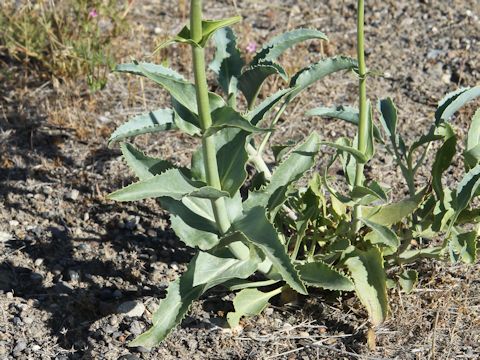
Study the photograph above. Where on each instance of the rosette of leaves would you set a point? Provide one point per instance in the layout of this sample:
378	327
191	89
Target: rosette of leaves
235	237
435	221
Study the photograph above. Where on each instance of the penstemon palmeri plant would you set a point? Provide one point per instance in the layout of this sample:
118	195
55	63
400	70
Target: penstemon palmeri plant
235	237
339	242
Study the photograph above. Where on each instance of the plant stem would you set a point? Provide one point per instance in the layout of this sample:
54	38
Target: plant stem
208	143
362	93
264	142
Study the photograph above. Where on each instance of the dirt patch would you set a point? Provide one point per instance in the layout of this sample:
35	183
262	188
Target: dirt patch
69	258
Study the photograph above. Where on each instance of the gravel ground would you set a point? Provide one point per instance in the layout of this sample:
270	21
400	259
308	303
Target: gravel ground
80	275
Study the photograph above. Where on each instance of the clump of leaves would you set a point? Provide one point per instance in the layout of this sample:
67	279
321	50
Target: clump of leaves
292	238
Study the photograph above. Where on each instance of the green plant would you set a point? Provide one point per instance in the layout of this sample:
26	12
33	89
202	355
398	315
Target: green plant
433	222
291	237
68	39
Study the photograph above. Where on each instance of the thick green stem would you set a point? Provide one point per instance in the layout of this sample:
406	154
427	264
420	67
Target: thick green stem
363	121
208	143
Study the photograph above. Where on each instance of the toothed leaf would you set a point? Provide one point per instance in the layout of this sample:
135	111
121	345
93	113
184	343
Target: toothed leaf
443	159
151	122
301	159
172	309
369	278
252	79
172	183
232	158
472	152
345	113
255	228
227	117
358	155
473	138
249	302
466	189
143	166
453	101
307	76
216	270
407	280
410	256
259	112
209	27
319	274
181	90
228	62
382	235
464	246
193	221
393	213
388	118
280	43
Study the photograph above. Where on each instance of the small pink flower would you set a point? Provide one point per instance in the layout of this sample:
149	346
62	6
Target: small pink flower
93	13
251	47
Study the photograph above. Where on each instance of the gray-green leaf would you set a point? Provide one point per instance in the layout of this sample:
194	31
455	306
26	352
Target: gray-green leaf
369	279
171	183
453	101
151	122
249	302
300	160
319	274
255	228
143	166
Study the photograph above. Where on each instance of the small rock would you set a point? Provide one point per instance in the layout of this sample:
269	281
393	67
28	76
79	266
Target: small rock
13	223
136	328
129	357
36	277
131	308
157	30
38	262
268	311
303	334
142	349
113	320
9	295
19	347
17	321
4	236
73	195
86	216
84	247
110	329
130	225
433	54
35	347
104	119
151	233
47	190
73	275
28	320
446	78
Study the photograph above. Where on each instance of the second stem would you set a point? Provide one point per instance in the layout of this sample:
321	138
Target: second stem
362	95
